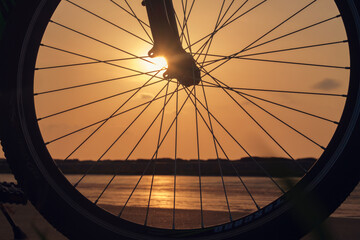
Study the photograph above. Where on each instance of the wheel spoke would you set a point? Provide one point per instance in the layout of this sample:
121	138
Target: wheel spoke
259	165
111	23
256	122
212	85
131	14
240	145
222	57
217	142
101	99
293	63
218	82
234	13
186	26
242	94
294	32
95	59
175	156
129	155
111	116
212	36
215	147
275	39
150	161
87	63
150	191
198	150
138	19
117	139
296	48
164	137
228	23
95	123
185	20
182	26
156	155
99	41
98	82
182	36
277	26
302	134
217	28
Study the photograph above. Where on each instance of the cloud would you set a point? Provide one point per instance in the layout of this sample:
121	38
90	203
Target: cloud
146	96
327	84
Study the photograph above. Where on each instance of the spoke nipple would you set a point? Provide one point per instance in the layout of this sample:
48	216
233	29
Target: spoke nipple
347	67
151	53
335	122
143	3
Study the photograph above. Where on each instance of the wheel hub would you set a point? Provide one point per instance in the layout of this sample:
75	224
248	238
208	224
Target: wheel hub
181	65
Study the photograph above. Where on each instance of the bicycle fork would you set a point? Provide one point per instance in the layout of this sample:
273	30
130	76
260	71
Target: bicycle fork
181	65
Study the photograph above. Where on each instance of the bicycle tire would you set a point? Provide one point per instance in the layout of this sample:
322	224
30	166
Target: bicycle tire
77	218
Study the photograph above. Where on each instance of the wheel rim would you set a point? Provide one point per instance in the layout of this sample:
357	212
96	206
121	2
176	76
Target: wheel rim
223	188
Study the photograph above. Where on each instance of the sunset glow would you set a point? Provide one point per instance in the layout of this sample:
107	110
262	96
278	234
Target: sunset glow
269	65
254	92
157	64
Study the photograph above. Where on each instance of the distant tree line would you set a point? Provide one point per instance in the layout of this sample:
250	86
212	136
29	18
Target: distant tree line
257	166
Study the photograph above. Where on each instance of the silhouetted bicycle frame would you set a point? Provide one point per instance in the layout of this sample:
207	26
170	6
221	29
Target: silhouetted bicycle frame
183	67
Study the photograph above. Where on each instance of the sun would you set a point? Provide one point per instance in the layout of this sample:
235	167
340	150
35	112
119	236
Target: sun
157	63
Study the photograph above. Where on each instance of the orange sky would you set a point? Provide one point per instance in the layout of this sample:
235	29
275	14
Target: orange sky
236	73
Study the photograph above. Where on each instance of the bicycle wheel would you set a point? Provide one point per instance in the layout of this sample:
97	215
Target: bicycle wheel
260	147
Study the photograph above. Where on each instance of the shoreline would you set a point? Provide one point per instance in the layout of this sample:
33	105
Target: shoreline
163	217
30	221
165	166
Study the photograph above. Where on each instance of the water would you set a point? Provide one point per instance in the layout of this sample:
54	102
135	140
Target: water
187	192
187	195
